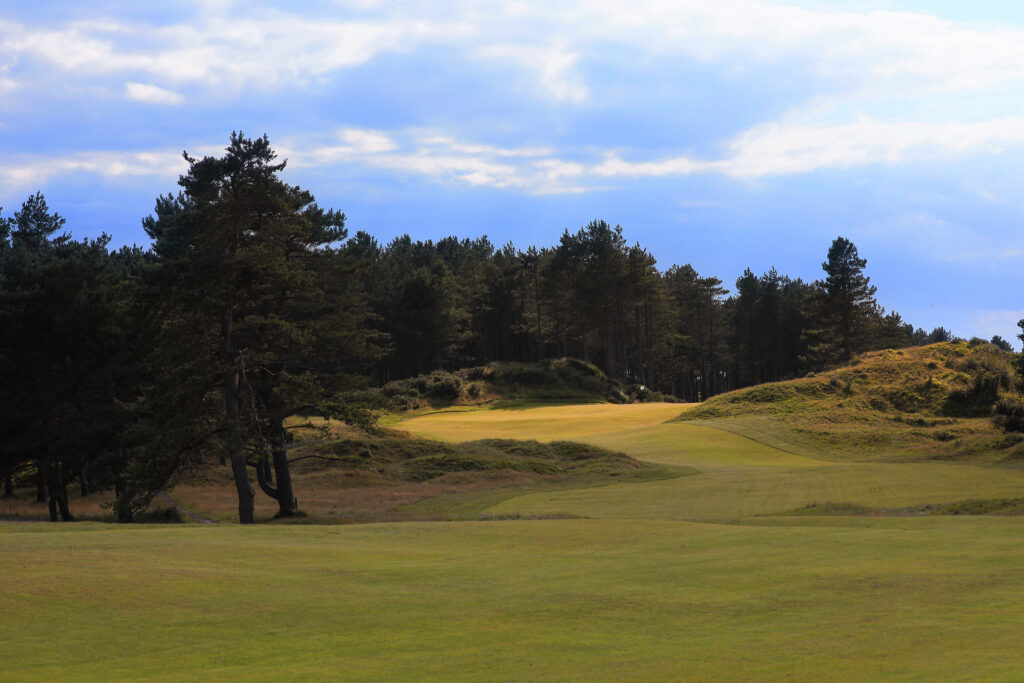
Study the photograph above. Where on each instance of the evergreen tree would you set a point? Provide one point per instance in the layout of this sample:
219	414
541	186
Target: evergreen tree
58	343
236	248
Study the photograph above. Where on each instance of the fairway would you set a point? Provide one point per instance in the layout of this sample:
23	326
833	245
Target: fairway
690	578
738	477
542	423
921	599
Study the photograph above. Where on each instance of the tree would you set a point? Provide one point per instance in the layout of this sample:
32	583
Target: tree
1001	343
58	346
239	251
843	307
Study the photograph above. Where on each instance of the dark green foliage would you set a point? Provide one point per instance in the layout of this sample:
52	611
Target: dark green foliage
843	309
159	515
990	374
269	311
1008	413
558	378
438	385
66	355
1001	343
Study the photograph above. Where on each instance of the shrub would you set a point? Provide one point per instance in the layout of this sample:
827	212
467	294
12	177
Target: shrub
159	515
1008	413
439	385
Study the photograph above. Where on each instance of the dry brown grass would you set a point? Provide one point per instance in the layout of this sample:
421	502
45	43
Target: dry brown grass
24	506
345	496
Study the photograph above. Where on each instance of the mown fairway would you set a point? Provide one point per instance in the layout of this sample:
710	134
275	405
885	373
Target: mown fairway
738	477
637	592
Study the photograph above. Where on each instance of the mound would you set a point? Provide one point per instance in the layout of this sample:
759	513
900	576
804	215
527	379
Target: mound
363	477
924	402
564	379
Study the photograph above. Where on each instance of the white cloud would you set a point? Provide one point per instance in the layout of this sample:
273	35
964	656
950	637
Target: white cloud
441	157
147	92
227	45
766	150
222	51
614	166
774	148
786	149
438	157
18	175
552	67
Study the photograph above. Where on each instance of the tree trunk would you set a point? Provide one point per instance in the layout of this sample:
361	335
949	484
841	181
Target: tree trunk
58	494
83	483
286	500
8	486
246	494
283	492
41	493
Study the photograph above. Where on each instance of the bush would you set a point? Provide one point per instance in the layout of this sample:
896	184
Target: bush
1008	413
164	515
439	385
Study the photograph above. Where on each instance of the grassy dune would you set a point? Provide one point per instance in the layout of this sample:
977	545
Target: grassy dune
930	402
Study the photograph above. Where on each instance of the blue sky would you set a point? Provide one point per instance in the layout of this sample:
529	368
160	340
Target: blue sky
732	134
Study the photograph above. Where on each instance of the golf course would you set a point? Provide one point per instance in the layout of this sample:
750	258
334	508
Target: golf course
741	561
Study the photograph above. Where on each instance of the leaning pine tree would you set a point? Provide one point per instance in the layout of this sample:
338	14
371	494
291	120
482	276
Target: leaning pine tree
240	256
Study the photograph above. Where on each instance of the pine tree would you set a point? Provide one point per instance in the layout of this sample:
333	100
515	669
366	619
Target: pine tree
239	251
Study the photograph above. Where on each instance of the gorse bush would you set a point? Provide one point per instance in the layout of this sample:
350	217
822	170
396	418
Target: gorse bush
1008	413
438	385
557	379
990	372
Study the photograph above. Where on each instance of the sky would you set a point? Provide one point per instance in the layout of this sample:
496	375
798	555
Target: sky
730	134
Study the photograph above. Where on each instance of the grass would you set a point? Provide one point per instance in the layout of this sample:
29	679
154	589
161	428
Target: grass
777	558
363	478
931	402
739	476
905	599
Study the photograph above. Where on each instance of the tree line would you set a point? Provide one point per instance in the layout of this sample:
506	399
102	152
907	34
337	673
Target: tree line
253	305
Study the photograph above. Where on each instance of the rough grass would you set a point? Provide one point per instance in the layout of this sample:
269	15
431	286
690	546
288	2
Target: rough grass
361	477
996	506
364	478
931	402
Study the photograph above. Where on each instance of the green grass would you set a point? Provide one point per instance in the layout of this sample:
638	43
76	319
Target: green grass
908	599
771	561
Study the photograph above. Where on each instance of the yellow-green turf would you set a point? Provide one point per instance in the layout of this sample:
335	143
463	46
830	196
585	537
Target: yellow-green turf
637	592
738	477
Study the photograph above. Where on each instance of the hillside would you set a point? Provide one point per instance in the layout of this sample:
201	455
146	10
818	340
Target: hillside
930	402
555	380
